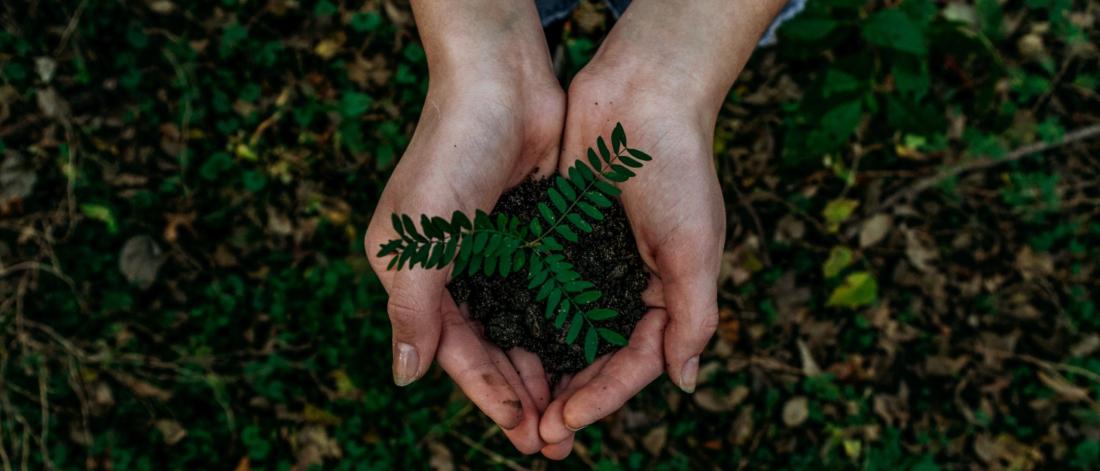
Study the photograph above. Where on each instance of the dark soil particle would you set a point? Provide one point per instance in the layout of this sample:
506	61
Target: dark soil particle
607	257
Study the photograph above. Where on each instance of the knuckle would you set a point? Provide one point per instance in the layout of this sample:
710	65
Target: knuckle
406	317
708	323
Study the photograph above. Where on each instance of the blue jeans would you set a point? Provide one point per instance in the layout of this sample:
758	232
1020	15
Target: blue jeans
554	10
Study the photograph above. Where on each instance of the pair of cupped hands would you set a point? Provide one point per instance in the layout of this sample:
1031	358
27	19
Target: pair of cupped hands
487	126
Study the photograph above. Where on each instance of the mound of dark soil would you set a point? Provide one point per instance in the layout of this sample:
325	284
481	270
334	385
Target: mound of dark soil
607	257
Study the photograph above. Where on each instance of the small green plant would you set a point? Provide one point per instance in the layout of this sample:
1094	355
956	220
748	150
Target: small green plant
508	245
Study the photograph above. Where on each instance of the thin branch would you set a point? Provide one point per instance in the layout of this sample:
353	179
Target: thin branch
494	456
923	184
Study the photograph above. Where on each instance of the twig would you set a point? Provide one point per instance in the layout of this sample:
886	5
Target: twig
44	411
923	184
70	27
747	204
496	457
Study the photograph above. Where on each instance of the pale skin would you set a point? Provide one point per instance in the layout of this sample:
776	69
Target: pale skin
494	115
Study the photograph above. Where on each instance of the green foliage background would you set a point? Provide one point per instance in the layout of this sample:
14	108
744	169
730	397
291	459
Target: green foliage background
241	145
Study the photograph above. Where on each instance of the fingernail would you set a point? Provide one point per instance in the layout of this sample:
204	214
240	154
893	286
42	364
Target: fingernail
689	374
405	364
571	429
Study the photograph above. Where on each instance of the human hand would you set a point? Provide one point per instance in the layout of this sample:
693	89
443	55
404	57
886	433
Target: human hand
492	118
677	214
663	72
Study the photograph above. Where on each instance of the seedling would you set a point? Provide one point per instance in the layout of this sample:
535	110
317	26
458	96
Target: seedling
508	245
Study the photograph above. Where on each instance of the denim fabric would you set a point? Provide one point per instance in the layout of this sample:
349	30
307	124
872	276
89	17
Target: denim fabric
555	10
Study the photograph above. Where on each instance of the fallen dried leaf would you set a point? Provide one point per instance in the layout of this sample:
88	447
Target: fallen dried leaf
796	411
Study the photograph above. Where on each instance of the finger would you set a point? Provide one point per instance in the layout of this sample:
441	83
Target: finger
558	451
627	372
530	370
691	297
466	360
524	436
414	311
654	294
552	427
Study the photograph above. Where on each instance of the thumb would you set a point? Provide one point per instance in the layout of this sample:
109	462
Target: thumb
414	311
691	297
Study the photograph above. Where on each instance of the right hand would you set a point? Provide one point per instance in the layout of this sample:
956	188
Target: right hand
479	134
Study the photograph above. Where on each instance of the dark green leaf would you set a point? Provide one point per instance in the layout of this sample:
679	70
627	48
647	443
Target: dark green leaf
544	291
460	221
537	278
437	254
566	232
586	172
390	247
422	255
575	176
587	297
489	265
547	213
637	154
590	211
482	221
429	227
518	260
393	262
443	226
475	264
579	222
504	265
607	188
618	137
464	251
557	199
616	176
493	245
604	153
565	187
536	263
893	29
552	303
591	345
574	328
566	276
397	225
630	162
405	257
449	252
410	228
612	337
594	160
563	314
479	241
598	198
536	228
601	314
578	286
552	243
